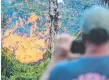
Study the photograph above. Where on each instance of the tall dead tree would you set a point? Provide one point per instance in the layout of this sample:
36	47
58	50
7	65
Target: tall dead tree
53	14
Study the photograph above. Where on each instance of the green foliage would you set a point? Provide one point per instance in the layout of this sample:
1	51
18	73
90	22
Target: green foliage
7	64
14	70
77	34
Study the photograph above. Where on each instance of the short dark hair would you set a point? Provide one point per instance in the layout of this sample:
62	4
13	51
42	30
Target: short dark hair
96	36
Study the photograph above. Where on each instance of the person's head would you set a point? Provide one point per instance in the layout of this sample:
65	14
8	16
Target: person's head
95	30
62	46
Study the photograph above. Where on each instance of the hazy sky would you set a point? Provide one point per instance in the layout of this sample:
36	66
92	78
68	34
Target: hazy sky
60	1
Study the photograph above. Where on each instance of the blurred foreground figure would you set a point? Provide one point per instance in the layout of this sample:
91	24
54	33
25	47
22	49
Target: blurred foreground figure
62	52
95	64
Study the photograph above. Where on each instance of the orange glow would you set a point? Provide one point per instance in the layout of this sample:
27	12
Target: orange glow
27	50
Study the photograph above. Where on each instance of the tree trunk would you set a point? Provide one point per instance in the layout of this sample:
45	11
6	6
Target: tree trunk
53	14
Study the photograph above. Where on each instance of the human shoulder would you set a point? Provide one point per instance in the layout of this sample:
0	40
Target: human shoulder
62	69
67	63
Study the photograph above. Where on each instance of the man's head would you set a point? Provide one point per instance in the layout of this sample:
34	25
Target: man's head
62	46
95	29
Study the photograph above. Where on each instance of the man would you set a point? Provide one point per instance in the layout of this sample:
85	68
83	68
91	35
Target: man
62	52
95	64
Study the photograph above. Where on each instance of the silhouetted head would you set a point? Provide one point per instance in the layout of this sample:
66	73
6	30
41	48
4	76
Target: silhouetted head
62	46
95	29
